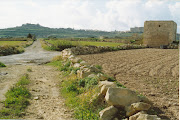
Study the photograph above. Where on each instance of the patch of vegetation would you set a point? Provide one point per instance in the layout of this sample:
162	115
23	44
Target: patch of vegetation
81	95
16	100
119	84
29	69
2	65
99	67
24	80
13	47
68	44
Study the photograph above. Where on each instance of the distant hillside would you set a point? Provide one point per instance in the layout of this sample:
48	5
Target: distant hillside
44	32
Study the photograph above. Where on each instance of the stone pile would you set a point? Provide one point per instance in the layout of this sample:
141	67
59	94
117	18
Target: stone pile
118	99
83	50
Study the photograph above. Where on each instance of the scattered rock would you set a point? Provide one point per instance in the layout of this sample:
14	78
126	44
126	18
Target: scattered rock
136	107
134	117
97	97
76	65
83	63
101	77
40	117
121	97
148	117
108	113
92	76
75	60
3	73
94	69
36	98
115	119
84	72
71	57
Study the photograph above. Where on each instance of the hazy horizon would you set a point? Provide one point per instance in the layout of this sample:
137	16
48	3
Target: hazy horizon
105	15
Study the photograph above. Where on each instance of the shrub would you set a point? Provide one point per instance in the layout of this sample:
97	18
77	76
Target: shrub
72	87
24	80
98	67
87	82
2	65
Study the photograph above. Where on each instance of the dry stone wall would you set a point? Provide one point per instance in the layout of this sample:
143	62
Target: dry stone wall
117	98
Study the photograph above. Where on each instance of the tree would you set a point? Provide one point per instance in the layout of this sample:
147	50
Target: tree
29	36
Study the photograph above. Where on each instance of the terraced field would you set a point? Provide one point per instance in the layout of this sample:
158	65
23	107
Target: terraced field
151	72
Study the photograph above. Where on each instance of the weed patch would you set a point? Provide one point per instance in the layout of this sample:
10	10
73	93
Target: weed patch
79	94
16	100
2	65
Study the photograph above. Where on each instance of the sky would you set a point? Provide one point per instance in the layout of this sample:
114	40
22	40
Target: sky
107	15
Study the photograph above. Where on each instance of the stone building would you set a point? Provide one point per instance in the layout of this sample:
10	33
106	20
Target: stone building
137	30
158	33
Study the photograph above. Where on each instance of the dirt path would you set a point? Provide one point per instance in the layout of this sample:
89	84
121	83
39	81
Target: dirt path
33	54
44	83
152	72
50	105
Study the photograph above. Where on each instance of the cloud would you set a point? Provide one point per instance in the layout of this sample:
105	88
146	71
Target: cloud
88	14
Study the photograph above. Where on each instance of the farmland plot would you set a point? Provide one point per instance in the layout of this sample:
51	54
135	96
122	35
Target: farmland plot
151	72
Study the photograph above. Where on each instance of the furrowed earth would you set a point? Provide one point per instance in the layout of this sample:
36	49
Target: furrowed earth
153	73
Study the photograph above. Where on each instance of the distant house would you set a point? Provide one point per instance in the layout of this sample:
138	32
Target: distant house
137	30
158	33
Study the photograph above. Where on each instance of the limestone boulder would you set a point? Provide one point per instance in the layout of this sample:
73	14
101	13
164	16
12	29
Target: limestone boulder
71	57
105	85
102	77
148	117
83	72
135	116
94	69
121	97
108	113
83	63
136	107
75	60
77	65
92	76
66	53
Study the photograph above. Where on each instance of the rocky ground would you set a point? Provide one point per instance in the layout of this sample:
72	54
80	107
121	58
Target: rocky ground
151	72
46	102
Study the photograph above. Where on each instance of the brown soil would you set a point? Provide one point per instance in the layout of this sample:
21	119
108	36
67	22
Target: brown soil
151	72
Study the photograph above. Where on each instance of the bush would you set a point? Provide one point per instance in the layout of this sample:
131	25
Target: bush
24	80
98	67
87	82
2	65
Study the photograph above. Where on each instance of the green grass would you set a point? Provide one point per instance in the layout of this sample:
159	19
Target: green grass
13	47
12	43
29	69
80	95
16	100
2	65
84	43
24	80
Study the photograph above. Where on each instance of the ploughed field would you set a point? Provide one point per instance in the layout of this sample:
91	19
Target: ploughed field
151	72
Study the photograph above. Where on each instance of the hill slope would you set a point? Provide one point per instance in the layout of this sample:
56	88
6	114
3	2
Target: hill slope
40	31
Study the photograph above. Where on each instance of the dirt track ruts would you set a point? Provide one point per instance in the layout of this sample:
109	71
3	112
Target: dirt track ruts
44	83
152	72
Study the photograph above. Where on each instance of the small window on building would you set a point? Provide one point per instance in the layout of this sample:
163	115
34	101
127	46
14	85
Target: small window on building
159	25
